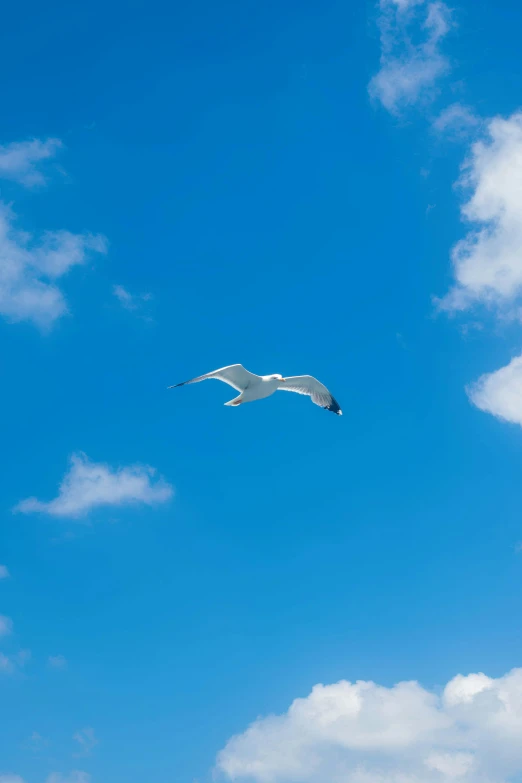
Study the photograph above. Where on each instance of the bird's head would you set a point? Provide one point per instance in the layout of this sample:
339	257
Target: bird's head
278	377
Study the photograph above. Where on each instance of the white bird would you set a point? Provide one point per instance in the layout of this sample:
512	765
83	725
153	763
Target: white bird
256	387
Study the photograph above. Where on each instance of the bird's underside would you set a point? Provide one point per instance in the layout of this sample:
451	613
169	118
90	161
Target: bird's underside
256	387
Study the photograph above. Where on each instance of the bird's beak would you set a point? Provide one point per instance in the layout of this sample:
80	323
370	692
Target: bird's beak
283	379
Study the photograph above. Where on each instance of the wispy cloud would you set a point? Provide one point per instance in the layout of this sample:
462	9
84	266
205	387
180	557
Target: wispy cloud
87	741
487	263
90	485
20	160
136	303
6	666
74	777
35	743
456	121
11	779
366	733
130	301
29	270
57	661
11	663
6	625
4	572
409	71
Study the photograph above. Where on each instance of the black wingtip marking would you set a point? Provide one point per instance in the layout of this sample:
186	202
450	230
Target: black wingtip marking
335	408
176	385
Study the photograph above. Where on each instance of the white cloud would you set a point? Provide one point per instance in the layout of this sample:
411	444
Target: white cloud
409	70
89	485
74	777
487	263
87	741
6	625
29	269
19	160
130	301
365	733
57	661
500	392
455	121
4	572
11	779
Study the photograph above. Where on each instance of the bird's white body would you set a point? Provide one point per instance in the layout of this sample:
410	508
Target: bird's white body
257	387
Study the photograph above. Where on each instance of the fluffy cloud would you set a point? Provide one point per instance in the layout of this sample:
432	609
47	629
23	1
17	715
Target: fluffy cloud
89	485
409	70
19	160
365	733
29	270
487	263
4	572
500	392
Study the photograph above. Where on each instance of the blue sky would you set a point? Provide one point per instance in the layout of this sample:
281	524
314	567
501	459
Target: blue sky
329	188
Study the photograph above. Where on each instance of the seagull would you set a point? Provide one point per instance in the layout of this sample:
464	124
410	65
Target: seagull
257	387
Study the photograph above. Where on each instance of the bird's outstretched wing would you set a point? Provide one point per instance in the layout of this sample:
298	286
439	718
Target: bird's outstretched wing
305	384
235	375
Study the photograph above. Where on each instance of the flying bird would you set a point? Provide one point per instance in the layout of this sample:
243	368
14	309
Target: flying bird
257	387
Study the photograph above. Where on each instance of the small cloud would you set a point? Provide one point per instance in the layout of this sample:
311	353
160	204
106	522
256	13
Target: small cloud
10	663
87	741
35	743
89	485
57	661
76	776
19	161
6	667
131	302
4	572
456	121
518	547
29	270
11	779
401	341
124	297
22	657
473	326
409	71
6	625
500	392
